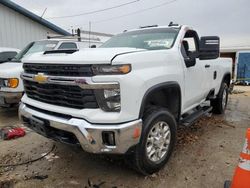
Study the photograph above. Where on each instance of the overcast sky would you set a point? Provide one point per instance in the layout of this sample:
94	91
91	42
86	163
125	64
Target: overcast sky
227	18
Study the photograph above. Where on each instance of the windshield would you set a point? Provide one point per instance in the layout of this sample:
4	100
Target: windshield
150	39
39	46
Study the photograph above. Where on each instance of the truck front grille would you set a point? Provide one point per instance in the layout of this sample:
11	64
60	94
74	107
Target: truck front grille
62	95
58	69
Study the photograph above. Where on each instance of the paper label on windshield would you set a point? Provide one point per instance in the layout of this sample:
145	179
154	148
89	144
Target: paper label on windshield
50	45
159	43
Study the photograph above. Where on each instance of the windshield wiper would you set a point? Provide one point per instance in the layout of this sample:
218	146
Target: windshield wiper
15	60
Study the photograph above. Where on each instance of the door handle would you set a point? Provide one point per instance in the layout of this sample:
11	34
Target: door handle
215	75
207	66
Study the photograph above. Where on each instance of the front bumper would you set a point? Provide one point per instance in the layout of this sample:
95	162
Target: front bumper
90	136
8	98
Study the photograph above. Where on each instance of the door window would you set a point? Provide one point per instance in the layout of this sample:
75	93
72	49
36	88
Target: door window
33	47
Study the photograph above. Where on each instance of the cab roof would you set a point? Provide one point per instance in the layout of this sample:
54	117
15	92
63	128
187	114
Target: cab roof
154	27
6	49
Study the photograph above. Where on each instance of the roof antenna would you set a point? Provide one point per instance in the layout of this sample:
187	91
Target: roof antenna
172	24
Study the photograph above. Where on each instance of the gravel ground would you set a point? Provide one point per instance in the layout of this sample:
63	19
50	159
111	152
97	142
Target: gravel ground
205	155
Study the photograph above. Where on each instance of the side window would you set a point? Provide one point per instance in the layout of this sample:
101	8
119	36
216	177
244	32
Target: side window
67	45
6	56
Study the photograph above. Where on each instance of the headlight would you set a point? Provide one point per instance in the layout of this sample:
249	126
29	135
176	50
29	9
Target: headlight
109	99
10	82
111	69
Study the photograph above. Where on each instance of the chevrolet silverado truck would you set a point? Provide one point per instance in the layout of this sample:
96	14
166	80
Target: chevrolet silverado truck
129	95
11	86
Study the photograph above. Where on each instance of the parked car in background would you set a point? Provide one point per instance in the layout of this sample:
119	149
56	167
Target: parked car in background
11	86
6	54
129	95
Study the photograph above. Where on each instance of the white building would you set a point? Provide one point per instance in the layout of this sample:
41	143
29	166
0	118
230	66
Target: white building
18	26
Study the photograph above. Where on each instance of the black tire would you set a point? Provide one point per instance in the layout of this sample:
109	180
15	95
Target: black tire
142	162
218	104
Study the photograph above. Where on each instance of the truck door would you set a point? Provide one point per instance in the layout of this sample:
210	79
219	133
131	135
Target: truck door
194	71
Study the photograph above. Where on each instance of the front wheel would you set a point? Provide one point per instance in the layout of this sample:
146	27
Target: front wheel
220	103
157	141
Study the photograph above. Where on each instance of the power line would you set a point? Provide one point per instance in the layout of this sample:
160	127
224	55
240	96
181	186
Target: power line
36	7
95	11
129	14
43	12
135	12
37	4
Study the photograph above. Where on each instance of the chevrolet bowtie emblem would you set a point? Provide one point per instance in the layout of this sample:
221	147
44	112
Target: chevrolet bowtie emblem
40	78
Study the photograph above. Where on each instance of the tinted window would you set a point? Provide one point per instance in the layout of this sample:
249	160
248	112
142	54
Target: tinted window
6	56
68	45
150	39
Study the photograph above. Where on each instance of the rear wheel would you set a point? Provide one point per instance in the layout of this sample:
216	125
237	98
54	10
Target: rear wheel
220	103
157	141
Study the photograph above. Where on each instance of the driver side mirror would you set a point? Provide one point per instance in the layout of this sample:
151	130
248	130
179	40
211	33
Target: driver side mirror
209	47
189	62
191	59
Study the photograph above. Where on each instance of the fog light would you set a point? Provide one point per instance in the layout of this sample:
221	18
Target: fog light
114	105
108	138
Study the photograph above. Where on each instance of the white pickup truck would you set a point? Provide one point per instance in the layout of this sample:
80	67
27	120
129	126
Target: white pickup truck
11	86
129	95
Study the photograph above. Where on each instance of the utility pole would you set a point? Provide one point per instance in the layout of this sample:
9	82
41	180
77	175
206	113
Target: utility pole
79	34
89	32
72	31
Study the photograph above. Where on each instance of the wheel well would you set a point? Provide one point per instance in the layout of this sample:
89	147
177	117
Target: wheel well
167	96
227	79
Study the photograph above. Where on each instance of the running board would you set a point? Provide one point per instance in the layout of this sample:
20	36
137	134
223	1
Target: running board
190	119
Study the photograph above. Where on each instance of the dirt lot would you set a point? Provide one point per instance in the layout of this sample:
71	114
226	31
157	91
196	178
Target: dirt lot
205	156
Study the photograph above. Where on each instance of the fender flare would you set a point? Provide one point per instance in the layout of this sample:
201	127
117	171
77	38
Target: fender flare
226	74
164	85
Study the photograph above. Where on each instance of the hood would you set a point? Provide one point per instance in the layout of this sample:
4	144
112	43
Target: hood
84	56
10	70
